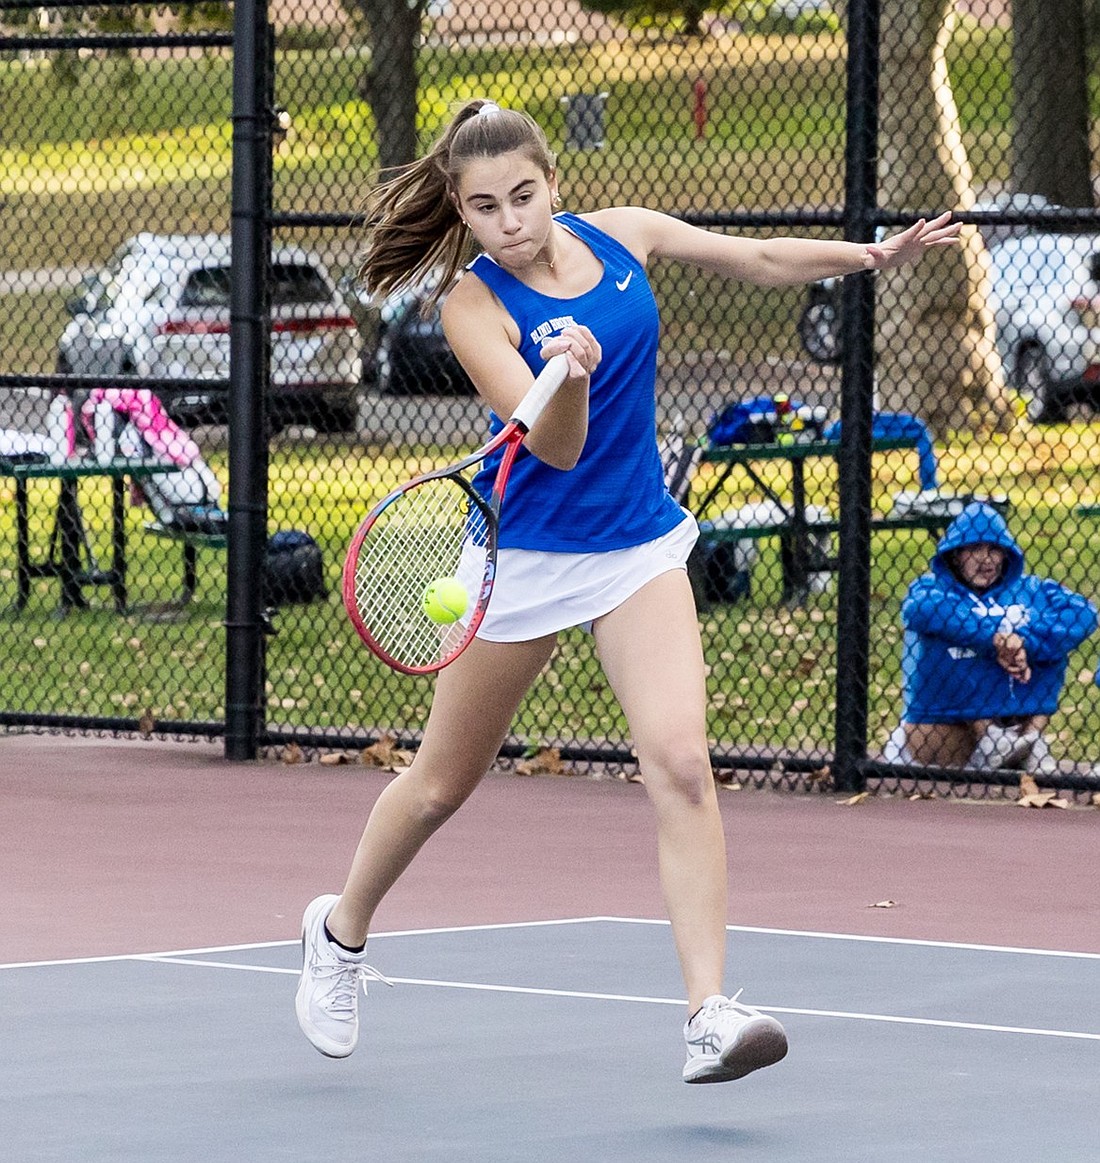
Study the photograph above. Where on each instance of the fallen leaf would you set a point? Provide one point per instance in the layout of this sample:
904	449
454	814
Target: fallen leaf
1095	801
858	798
385	754
292	753
1028	786
547	761
1043	799
884	905
730	785
335	758
821	775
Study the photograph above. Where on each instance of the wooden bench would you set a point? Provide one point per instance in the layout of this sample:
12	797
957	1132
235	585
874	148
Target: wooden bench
191	542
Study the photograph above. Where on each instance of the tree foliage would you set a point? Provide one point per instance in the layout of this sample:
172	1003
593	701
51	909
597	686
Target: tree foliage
685	15
389	85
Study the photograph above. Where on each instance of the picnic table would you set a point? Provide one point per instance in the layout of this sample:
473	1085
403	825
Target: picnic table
798	532
70	558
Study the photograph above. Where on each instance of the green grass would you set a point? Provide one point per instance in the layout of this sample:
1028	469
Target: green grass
74	168
772	670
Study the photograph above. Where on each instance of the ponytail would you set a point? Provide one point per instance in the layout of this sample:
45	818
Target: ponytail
414	228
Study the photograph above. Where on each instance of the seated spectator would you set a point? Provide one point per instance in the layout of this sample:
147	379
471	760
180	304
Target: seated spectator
986	647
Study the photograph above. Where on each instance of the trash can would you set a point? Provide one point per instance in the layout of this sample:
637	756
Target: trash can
584	120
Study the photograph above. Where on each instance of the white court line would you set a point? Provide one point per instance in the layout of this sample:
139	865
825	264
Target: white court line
585	995
298	941
826	936
189	957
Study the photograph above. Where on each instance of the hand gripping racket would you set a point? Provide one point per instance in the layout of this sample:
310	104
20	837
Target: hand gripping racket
417	535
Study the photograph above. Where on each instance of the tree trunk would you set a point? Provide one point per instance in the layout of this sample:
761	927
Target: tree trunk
935	350
1050	138
390	84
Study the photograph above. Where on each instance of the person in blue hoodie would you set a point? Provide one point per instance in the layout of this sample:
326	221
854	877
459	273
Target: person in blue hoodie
985	652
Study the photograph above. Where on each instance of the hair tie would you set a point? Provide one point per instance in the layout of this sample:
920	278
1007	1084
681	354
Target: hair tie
488	109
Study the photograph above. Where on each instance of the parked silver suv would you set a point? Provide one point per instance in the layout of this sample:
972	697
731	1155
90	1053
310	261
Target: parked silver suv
1045	298
160	308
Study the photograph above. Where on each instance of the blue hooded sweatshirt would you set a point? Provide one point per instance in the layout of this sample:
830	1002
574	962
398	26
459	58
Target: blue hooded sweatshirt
949	665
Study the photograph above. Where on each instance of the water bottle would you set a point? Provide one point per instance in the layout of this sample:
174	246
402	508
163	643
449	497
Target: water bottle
809	424
785	416
103	440
60	430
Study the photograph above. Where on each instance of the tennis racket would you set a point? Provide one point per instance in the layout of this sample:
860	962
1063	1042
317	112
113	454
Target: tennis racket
435	526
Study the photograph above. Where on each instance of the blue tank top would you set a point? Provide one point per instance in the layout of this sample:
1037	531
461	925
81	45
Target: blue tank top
615	496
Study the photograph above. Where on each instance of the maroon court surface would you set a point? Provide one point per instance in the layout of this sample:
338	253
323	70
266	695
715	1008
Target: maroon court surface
117	846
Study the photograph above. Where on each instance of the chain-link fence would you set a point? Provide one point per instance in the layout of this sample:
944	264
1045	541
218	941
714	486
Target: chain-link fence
825	436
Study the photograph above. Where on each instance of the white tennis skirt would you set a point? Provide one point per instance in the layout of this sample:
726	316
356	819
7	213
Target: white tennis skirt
538	593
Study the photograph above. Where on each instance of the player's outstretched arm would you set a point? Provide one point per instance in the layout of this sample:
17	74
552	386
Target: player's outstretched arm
770	262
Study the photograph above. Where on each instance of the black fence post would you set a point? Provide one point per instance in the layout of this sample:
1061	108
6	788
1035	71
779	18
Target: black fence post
856	401
249	345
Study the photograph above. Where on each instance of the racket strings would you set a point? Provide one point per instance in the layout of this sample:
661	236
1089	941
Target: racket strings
417	539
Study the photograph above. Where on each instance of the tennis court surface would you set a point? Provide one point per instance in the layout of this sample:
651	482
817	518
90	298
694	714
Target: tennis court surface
148	964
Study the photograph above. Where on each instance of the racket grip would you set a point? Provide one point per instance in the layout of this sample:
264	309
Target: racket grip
541	392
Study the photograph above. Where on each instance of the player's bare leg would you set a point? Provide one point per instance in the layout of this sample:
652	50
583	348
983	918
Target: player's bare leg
475	700
650	651
653	658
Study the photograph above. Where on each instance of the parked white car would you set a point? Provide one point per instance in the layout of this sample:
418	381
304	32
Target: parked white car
1045	299
160	308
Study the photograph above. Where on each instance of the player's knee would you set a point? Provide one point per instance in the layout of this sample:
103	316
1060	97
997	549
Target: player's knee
438	802
682	773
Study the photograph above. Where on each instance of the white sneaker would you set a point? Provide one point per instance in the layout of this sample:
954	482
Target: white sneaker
726	1040
327	1002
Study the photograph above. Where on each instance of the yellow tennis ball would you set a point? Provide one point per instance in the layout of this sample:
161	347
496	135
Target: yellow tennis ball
445	600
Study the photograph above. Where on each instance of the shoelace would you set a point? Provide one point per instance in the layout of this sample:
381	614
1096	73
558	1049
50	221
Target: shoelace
345	977
729	1003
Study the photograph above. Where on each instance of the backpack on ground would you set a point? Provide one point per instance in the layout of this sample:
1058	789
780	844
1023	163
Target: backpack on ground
294	570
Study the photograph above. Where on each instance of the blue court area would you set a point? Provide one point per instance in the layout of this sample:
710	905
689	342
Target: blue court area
554	1043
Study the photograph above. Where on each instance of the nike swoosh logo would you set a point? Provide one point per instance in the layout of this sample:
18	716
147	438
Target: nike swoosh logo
626	282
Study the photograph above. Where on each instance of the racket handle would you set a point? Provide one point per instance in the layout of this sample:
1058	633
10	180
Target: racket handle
541	392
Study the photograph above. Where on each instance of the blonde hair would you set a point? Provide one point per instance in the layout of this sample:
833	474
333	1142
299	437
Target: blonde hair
414	228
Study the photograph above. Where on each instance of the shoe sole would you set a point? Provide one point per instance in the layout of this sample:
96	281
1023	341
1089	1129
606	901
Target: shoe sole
763	1043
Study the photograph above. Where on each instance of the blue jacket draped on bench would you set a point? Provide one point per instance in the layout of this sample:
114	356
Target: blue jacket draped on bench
902	426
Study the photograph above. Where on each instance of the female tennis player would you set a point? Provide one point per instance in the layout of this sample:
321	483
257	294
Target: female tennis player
590	536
